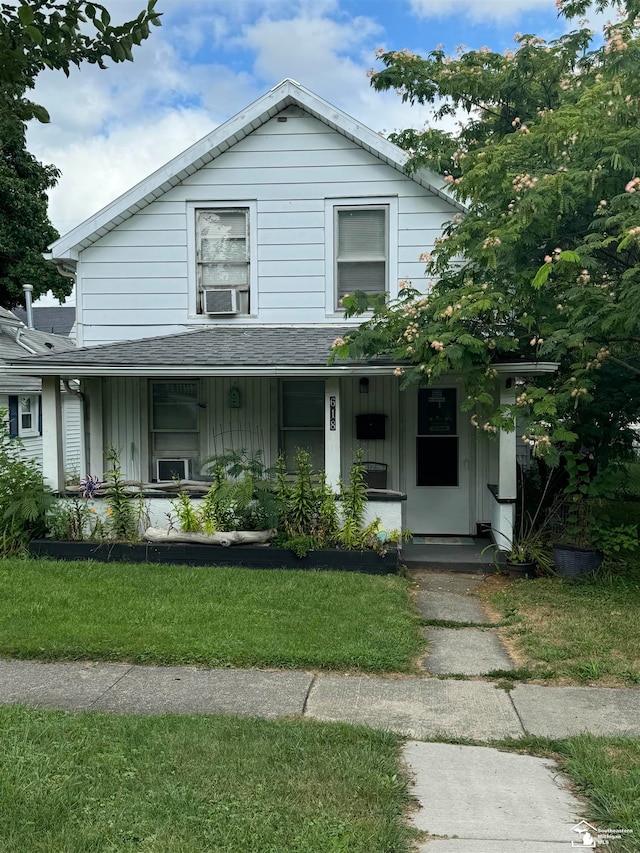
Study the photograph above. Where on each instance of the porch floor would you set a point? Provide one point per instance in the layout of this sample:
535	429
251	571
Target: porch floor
438	557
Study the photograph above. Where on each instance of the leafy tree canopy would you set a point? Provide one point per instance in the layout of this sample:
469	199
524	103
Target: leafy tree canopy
36	35
544	265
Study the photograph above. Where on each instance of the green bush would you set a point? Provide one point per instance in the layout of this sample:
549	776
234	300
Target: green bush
24	497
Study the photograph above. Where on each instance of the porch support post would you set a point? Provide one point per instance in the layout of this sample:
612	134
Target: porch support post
332	432
507	472
52	458
96	428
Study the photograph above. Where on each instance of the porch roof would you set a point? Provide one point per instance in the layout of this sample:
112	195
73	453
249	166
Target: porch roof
214	351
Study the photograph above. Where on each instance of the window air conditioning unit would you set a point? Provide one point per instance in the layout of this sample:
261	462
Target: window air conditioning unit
168	470
220	301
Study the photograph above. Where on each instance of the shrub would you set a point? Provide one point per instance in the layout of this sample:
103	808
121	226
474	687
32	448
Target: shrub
24	497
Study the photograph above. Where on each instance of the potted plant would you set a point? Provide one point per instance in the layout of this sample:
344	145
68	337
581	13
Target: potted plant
527	553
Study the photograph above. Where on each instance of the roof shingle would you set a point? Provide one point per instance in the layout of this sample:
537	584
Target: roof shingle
219	346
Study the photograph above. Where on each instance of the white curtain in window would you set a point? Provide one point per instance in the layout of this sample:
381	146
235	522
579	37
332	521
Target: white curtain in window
222	248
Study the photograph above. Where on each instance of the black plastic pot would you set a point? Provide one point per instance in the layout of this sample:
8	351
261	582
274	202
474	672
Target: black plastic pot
573	562
520	570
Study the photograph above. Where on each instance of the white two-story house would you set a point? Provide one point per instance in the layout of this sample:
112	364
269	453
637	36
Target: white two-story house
208	297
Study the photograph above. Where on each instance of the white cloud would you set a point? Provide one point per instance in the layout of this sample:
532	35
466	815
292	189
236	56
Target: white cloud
99	169
478	10
331	58
309	48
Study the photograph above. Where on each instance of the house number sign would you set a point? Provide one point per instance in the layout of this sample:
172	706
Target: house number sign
332	414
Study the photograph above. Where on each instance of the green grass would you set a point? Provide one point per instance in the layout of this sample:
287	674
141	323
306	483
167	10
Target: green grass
604	770
79	783
586	632
206	616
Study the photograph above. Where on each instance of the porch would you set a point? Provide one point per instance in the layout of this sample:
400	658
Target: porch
168	405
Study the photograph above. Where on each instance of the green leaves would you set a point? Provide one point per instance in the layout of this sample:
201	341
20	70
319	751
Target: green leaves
541	276
25	14
546	167
37	35
40	113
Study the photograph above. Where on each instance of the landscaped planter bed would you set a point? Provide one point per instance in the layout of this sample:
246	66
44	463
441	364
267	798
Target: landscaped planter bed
248	556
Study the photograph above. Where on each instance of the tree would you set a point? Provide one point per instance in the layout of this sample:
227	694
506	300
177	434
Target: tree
37	35
545	264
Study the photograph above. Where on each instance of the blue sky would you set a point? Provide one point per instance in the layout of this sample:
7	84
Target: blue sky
211	58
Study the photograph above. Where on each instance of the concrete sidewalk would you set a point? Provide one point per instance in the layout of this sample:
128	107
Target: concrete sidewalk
419	708
470	798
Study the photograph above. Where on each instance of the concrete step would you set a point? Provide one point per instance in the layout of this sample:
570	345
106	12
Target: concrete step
449	558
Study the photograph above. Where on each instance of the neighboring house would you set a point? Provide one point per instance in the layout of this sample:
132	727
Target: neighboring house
208	297
21	396
56	319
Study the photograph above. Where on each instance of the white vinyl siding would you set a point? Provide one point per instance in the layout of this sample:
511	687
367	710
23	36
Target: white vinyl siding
382	398
72	429
361	249
139	280
252	428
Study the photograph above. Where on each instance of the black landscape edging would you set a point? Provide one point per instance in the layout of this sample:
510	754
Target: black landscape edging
247	556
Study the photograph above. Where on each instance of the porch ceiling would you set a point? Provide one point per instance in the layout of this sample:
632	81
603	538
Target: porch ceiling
215	351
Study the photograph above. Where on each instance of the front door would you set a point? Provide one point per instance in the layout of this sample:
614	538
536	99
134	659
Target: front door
436	462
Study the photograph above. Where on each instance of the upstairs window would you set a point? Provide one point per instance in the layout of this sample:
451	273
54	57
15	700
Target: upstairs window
222	260
361	250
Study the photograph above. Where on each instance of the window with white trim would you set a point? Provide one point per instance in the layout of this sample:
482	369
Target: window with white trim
222	260
175	423
361	249
28	414
302	420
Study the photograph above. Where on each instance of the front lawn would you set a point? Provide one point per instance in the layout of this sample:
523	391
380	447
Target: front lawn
75	783
585	632
206	616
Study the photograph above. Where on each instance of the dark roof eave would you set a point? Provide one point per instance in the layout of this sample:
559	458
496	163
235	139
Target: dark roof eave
38	368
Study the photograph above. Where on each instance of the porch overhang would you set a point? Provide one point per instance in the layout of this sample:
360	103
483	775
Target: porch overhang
525	368
190	370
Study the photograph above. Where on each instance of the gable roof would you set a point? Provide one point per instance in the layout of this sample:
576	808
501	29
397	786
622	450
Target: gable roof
224	137
212	351
56	319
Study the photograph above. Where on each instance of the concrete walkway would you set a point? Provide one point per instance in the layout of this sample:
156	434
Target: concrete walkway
471	798
420	708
